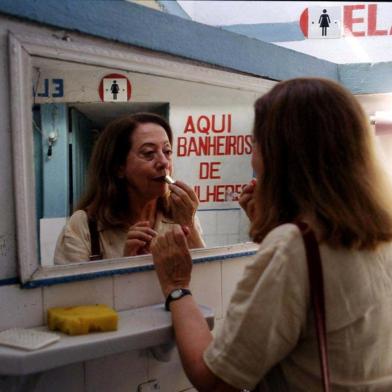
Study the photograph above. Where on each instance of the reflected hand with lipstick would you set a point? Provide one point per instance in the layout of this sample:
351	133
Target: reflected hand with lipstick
183	204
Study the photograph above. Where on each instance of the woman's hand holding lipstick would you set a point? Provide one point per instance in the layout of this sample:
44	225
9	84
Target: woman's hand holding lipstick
246	199
184	203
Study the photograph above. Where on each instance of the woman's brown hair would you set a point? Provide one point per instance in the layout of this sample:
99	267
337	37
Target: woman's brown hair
319	162
106	198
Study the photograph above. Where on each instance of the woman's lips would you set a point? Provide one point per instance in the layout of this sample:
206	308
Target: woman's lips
159	179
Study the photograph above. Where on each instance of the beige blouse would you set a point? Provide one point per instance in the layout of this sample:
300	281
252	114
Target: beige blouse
269	320
73	244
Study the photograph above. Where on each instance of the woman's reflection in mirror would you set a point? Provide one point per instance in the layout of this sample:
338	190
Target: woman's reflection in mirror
127	201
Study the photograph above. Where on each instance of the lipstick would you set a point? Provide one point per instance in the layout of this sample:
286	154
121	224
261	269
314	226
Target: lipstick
169	180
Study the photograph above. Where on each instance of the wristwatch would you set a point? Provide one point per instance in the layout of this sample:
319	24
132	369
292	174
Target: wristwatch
174	295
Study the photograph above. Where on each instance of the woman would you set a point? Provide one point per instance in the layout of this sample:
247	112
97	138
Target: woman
127	201
315	162
324	22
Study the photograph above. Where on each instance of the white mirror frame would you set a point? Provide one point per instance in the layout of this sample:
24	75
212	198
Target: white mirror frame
99	53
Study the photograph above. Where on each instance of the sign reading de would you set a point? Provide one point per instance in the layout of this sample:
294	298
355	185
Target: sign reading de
114	88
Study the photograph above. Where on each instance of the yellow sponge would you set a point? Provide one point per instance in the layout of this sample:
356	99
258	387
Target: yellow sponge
79	320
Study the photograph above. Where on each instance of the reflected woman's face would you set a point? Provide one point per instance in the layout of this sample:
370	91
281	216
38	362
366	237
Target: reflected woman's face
148	161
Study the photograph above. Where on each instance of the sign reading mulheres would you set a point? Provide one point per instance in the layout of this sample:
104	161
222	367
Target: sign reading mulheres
115	88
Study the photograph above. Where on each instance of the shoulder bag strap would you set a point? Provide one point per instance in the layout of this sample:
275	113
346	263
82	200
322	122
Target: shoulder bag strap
94	239
317	297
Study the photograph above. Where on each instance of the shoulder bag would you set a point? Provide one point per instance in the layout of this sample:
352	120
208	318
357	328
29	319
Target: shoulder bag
315	275
94	239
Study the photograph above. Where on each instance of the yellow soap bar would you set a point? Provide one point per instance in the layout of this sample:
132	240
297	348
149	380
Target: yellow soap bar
79	320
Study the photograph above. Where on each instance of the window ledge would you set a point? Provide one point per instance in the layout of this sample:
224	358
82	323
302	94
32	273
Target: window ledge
141	328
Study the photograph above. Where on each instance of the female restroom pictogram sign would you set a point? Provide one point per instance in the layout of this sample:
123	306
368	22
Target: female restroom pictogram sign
115	88
322	22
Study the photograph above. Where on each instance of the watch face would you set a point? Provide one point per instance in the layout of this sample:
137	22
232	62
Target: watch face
176	293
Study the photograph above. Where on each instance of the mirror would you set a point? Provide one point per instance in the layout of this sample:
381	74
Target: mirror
77	88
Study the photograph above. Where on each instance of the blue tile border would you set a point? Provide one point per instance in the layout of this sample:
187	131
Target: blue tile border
125	271
269	32
9	281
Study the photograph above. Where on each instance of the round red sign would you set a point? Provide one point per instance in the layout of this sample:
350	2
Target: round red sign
115	88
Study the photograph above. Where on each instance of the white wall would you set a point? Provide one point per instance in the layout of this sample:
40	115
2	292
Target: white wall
373	103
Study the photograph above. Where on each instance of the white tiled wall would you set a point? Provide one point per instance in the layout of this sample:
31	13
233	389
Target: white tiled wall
170	375
117	373
206	286
50	229
63	379
232	226
220	227
20	308
98	291
212	285
127	290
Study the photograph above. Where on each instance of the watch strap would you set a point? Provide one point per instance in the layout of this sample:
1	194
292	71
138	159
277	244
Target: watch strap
170	298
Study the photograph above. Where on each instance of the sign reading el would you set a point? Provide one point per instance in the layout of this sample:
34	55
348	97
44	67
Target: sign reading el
357	20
